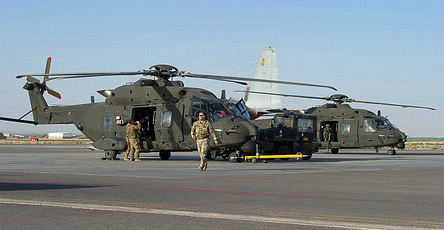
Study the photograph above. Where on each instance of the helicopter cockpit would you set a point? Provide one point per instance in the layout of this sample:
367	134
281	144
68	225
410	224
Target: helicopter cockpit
372	124
213	107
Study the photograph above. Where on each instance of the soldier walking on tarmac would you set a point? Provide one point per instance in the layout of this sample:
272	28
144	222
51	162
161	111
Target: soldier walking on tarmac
201	130
134	140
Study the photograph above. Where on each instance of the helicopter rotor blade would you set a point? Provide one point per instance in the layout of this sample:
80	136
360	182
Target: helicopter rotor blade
281	94
391	104
47	69
84	74
54	93
219	77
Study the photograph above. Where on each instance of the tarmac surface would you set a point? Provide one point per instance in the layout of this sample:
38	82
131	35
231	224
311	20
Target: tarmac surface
54	187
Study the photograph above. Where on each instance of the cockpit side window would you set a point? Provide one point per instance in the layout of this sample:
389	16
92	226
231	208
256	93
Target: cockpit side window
214	109
369	126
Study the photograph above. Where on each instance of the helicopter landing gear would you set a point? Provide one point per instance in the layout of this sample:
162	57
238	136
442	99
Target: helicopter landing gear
334	151
110	154
391	151
164	155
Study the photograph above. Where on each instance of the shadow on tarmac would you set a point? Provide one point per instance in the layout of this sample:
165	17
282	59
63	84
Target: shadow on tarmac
12	186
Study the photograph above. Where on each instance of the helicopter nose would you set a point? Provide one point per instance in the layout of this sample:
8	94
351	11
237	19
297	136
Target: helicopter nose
237	133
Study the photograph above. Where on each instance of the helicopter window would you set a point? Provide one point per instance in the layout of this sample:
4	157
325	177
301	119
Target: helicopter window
346	128
166	119
305	125
369	126
107	122
383	123
214	109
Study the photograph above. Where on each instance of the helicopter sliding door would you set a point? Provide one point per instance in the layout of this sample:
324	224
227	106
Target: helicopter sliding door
169	130
348	132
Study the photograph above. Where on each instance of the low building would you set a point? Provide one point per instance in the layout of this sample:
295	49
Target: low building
61	135
2	136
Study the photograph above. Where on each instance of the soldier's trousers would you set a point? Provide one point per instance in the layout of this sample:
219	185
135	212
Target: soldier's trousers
135	149
128	149
202	148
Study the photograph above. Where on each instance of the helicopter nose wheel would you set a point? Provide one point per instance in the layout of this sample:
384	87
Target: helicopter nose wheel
391	152
165	155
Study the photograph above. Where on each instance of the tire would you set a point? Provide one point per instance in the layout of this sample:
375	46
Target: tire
254	160
164	155
391	152
110	154
334	151
235	158
306	157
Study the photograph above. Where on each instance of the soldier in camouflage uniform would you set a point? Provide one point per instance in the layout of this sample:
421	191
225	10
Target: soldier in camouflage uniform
128	149
201	131
134	140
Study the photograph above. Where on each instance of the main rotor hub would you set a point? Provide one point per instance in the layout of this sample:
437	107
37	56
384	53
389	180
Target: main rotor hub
164	72
338	98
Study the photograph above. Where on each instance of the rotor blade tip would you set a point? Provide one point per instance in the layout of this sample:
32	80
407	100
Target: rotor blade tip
49	58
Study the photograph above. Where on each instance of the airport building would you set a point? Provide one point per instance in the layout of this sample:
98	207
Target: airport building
61	135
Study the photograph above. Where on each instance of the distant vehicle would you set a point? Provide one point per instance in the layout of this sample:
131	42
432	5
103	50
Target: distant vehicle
18	136
288	133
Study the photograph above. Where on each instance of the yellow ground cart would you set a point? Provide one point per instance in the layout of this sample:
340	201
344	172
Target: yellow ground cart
265	158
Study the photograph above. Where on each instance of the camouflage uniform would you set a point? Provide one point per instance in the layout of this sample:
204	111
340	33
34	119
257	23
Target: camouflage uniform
128	149
134	141
202	130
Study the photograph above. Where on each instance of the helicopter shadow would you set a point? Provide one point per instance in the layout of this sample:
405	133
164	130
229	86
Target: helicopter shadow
16	186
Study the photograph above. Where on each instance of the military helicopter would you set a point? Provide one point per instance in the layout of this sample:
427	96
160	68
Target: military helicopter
165	108
341	126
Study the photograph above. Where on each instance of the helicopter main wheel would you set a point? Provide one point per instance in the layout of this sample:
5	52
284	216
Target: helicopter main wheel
306	157
235	157
110	154
165	155
391	152
334	151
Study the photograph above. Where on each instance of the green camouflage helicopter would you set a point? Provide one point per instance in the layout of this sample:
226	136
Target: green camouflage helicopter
341	126
165	108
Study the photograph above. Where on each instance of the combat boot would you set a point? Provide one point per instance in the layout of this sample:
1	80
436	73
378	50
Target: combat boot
137	159
204	167
126	159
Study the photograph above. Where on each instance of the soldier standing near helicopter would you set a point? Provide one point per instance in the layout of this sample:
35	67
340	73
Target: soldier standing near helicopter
134	140
327	133
201	131
128	149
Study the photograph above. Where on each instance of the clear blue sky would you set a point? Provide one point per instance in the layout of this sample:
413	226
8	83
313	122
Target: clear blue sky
389	51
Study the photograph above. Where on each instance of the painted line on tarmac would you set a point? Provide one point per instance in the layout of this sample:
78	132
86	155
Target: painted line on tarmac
206	215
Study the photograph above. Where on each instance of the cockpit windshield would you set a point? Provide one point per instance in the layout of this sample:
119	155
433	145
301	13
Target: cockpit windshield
382	123
213	108
239	109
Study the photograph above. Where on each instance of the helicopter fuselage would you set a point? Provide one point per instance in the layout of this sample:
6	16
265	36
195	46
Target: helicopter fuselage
165	109
355	128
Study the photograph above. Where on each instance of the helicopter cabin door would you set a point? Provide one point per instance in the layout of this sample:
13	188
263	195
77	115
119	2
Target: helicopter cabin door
348	132
147	118
329	133
170	128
